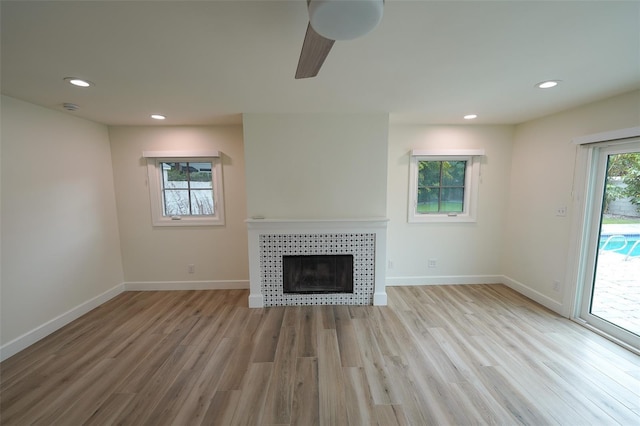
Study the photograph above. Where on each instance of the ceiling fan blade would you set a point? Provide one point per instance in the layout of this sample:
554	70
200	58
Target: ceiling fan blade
314	51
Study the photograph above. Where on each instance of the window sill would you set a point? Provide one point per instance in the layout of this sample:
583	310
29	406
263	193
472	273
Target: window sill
188	221
442	218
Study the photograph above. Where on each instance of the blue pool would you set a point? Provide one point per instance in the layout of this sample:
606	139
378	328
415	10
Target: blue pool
623	244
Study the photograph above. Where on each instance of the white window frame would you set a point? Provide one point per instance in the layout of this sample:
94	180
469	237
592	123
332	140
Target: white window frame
471	185
154	172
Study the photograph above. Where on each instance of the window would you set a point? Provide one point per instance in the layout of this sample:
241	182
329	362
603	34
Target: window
185	188
443	186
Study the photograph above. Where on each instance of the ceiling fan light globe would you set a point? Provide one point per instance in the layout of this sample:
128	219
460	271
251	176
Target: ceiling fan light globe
345	19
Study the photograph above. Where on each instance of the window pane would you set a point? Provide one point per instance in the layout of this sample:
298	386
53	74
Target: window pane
201	167
452	200
428	200
187	188
202	202
429	173
442	184
174	175
201	180
453	173
200	175
176	202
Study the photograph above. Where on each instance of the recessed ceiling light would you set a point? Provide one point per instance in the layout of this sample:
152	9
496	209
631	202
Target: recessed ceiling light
470	116
70	107
547	84
158	116
78	82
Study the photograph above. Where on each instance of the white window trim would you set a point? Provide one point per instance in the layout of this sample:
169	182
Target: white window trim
154	172
471	184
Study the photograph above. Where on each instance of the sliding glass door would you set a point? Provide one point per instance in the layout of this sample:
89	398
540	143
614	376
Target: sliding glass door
611	289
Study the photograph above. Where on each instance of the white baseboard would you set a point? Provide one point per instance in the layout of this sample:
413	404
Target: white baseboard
186	285
380	298
521	288
443	280
256	301
16	345
534	295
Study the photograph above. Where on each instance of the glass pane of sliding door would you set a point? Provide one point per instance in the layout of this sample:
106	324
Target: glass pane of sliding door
611	298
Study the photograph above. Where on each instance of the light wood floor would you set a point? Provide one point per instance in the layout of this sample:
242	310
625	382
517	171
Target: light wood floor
436	355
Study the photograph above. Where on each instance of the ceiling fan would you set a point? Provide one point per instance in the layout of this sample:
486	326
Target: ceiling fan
331	20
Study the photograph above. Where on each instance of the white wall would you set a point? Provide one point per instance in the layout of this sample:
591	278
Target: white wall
537	242
465	252
157	257
316	166
60	246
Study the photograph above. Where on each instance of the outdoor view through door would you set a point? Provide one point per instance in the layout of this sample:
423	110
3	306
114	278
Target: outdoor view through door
614	296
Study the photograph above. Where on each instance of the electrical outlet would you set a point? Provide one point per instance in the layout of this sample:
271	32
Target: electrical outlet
561	211
432	263
191	268
390	264
556	285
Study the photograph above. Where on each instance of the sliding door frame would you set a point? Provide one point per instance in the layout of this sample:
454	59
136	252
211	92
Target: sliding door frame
588	191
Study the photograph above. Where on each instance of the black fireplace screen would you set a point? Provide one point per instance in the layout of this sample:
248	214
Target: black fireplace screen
318	273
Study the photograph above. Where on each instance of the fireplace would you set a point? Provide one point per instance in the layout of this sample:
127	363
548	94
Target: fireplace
317	274
275	244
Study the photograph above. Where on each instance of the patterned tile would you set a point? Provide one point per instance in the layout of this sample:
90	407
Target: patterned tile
274	246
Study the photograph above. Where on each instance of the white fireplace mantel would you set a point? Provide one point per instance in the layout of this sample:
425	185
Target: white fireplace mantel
269	227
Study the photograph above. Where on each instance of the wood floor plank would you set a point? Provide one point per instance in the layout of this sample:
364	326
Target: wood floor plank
404	386
213	333
360	407
147	400
390	415
67	397
200	386
443	367
618	405
171	400
374	364
31	358
156	358
518	405
107	413
432	390
291	317
280	394
221	409
267	338
253	394
473	354
239	318
347	340
360	312
308	341
85	402
64	369
327	317
387	342
305	408
235	371
479	404
331	388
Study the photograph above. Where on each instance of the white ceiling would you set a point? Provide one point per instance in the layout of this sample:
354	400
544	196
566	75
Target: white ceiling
207	62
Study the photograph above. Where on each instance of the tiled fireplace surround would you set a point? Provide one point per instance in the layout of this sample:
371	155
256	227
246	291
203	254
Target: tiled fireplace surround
270	239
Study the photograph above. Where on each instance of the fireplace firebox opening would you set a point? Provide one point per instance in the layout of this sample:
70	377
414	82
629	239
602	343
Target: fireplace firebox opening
317	274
